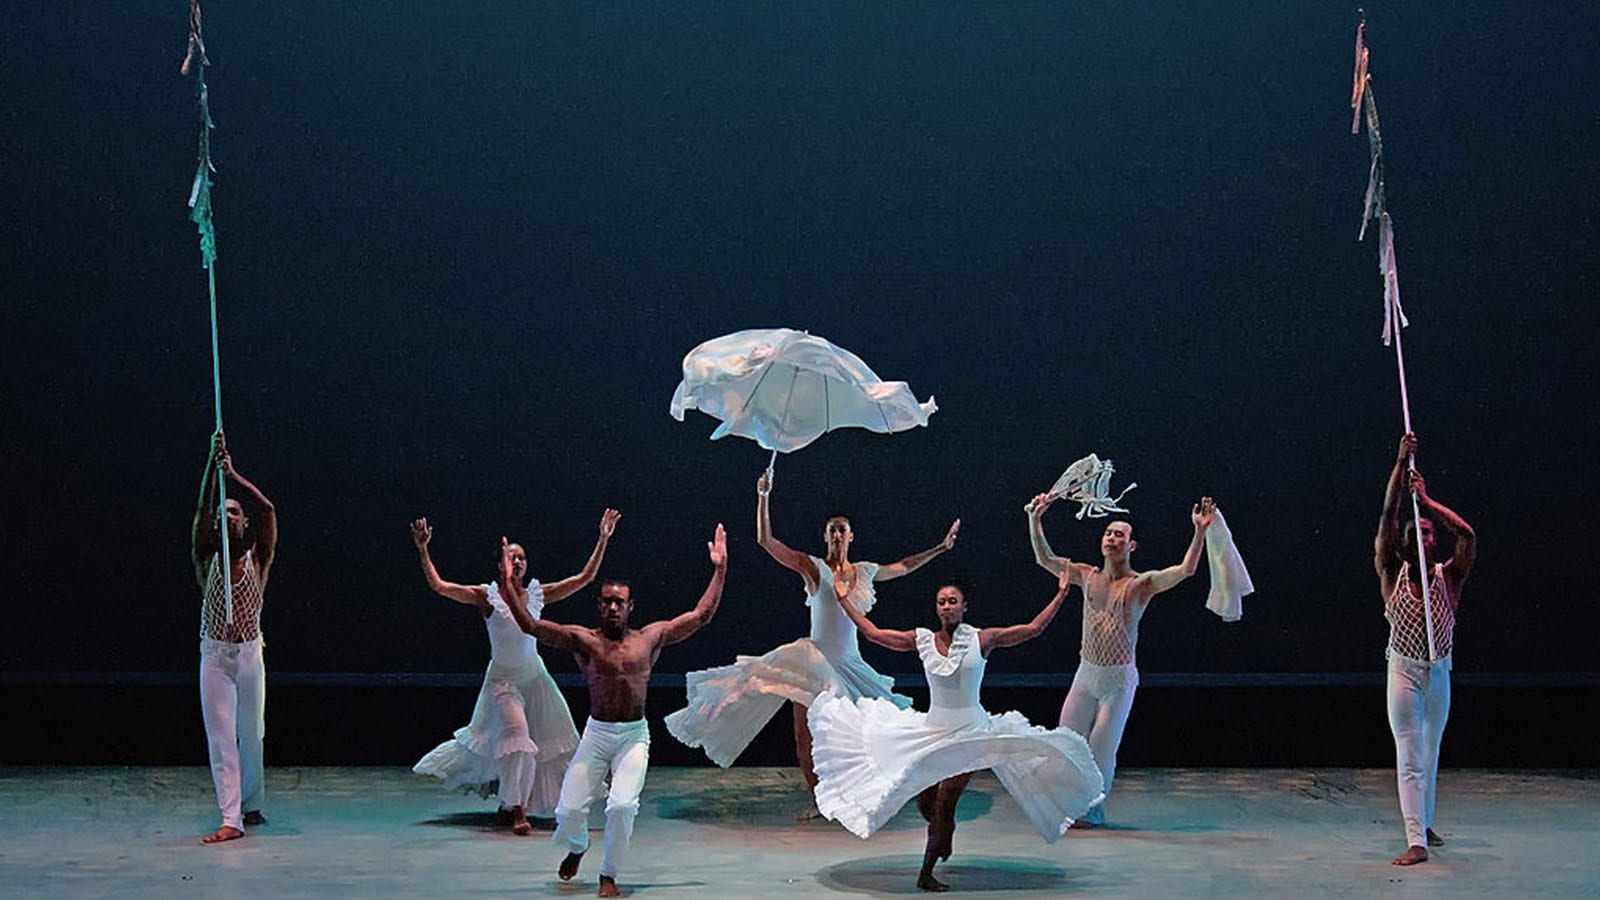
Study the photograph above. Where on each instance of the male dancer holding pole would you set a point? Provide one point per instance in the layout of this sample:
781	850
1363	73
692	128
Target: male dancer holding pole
1419	674
232	675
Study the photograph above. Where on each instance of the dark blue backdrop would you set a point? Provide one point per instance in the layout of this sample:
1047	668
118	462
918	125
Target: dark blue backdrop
463	248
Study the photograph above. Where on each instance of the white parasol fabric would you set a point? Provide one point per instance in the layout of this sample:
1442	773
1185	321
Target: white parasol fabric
1088	483
784	388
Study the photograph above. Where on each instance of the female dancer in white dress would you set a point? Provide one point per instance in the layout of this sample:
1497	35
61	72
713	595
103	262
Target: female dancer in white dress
727	706
873	756
521	734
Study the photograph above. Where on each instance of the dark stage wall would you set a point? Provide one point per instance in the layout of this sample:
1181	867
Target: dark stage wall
1315	724
464	247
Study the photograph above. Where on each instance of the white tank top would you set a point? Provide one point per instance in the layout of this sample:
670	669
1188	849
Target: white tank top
509	645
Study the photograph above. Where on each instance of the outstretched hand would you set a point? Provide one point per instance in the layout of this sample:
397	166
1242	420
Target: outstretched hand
421	532
764	484
608	522
1203	513
718	547
506	564
950	536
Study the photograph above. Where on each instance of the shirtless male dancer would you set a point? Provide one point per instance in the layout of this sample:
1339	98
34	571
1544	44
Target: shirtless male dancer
616	661
1114	600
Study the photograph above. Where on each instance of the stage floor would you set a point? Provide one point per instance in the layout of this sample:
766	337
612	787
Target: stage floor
704	832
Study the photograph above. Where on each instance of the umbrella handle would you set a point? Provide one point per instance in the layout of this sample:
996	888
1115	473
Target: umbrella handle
770	463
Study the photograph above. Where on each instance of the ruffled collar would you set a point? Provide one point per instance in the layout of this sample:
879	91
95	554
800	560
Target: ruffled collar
962	642
498	606
863	594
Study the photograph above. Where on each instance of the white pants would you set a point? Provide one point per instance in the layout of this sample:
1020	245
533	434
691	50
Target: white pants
233	700
623	749
515	767
1097	707
1419	704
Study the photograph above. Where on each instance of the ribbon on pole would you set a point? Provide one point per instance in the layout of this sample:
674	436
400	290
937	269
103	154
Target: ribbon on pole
200	215
1375	209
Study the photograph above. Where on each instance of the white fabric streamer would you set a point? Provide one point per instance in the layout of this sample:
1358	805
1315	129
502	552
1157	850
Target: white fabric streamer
1230	581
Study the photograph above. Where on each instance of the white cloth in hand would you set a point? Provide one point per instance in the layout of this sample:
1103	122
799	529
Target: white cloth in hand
1230	581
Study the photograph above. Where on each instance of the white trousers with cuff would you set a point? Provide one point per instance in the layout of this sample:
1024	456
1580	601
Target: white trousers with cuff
1419	704
623	749
233	700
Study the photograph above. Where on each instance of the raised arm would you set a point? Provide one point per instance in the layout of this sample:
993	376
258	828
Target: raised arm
917	560
566	587
470	594
1042	554
787	556
266	517
990	638
1460	564
1170	577
883	637
1386	546
560	637
679	627
205	536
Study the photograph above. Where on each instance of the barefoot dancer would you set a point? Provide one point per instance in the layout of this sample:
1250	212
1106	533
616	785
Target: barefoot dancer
616	661
873	756
521	734
1418	690
1114	600
727	706
233	691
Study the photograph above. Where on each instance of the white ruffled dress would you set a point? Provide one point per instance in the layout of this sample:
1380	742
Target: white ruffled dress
728	706
872	757
470	759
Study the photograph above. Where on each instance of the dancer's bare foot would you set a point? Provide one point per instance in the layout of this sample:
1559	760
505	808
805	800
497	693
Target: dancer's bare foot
809	813
927	882
608	887
1433	838
569	866
1083	824
1411	857
254	818
519	822
225	833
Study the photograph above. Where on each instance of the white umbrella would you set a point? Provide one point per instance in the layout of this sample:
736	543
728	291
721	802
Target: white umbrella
784	389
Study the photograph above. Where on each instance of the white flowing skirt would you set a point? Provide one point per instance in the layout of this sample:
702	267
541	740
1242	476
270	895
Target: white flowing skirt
470	759
872	757
729	705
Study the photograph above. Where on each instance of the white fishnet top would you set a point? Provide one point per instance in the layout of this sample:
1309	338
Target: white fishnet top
247	597
1408	633
1111	626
